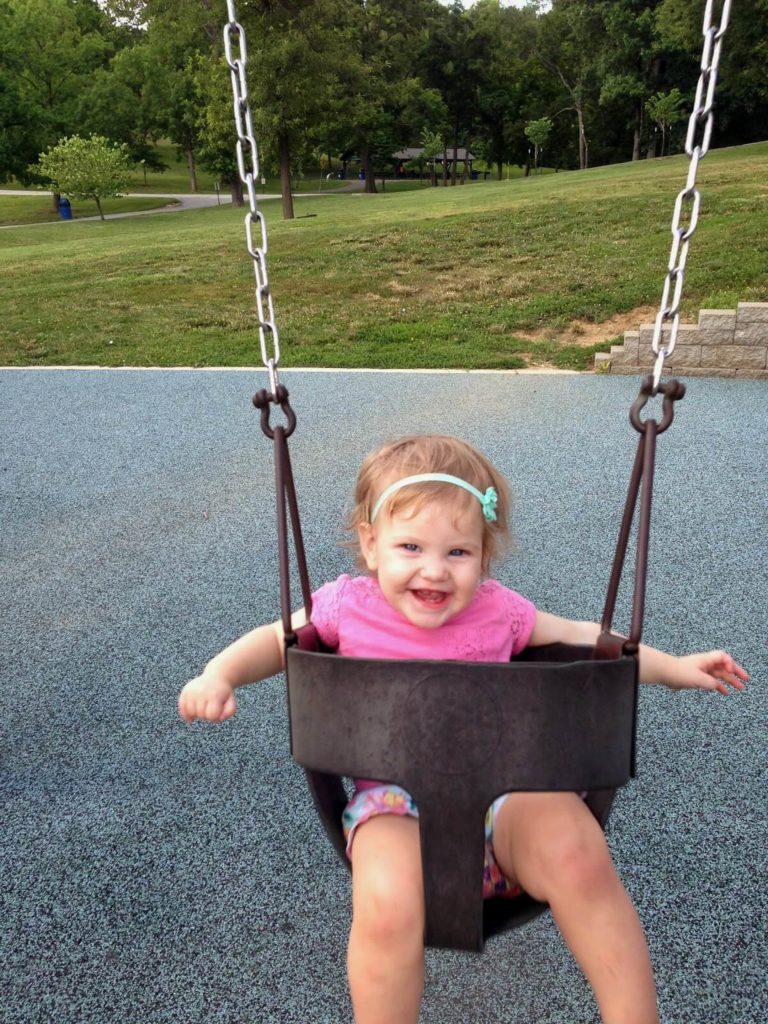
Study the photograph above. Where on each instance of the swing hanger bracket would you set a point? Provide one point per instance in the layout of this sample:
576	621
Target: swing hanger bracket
671	390
264	400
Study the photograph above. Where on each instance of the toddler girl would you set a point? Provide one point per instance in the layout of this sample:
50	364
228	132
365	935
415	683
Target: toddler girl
430	514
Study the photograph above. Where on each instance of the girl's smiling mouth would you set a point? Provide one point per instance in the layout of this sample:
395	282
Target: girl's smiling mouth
431	598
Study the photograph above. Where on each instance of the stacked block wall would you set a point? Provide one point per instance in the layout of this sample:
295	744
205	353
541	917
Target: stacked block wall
724	343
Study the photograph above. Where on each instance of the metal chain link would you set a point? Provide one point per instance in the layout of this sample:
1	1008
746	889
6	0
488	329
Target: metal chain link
696	146
234	34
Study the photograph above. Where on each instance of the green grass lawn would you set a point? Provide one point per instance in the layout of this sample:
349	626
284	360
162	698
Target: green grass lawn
36	208
490	276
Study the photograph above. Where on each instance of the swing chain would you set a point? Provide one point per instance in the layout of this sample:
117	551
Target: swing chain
235	34
696	146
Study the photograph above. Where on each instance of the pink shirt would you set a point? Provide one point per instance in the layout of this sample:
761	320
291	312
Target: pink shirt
352	615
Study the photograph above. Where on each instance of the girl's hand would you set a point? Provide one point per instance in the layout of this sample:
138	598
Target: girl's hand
714	670
210	698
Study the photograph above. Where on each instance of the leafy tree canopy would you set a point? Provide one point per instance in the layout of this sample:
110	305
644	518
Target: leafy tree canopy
89	168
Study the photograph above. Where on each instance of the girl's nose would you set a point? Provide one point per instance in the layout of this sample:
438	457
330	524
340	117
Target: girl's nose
433	569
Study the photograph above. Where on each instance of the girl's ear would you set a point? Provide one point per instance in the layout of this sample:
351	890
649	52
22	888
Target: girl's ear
366	535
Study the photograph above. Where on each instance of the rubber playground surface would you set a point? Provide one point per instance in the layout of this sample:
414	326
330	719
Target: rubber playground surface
160	873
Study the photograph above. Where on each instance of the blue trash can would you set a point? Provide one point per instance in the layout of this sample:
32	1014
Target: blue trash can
65	209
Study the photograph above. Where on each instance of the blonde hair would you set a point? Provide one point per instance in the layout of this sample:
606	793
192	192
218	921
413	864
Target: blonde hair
430	453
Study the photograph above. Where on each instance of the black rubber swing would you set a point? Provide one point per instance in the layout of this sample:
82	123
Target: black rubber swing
457	734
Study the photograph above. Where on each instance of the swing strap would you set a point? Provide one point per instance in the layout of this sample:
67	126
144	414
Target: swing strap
287	504
609	645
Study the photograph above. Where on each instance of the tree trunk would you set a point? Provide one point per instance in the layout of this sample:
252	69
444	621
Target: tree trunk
284	150
652	88
636	144
98	207
455	154
192	169
583	144
465	166
370	183
236	191
212	30
55	200
638	131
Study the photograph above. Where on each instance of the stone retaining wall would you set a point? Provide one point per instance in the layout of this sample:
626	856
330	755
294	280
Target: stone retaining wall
724	343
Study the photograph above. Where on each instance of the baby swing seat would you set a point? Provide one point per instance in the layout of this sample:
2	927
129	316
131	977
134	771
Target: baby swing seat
456	735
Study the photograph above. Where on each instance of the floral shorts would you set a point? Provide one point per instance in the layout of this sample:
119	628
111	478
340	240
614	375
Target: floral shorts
391	799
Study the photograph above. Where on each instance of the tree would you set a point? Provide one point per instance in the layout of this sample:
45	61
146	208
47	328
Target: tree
565	46
126	103
664	110
741	107
449	69
50	51
17	114
629	65
501	45
171	35
538	133
217	137
296	55
86	168
386	103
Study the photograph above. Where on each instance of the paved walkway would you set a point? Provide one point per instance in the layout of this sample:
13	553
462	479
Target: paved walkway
178	201
165	874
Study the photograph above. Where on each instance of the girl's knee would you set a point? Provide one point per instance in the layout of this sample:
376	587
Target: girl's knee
387	887
388	910
578	865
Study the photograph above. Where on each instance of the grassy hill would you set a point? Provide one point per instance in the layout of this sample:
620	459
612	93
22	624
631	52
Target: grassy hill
494	274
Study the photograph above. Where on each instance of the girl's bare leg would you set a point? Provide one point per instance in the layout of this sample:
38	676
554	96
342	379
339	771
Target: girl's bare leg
386	944
553	846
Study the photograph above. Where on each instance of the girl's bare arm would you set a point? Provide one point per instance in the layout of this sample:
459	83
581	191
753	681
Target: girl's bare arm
255	656
711	670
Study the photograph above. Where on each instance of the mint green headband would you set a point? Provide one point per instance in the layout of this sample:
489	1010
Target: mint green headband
487	501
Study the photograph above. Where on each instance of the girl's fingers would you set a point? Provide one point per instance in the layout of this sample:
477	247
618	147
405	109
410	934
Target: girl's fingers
725	680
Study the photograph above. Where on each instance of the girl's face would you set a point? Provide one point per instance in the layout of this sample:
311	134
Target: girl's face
428	564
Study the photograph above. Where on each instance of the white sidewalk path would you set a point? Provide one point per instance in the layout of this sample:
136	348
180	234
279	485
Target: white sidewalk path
176	201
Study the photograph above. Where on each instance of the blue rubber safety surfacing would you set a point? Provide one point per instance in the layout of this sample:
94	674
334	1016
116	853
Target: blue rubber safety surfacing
159	873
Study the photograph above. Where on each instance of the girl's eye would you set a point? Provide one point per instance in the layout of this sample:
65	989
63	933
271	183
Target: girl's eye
410	547
457	552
